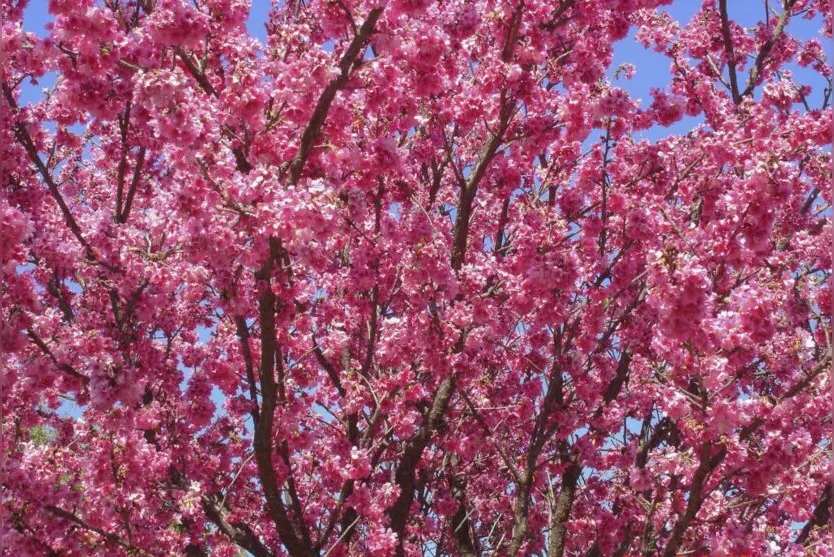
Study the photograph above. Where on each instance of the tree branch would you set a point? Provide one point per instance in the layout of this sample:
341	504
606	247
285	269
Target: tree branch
323	105
729	50
111	538
239	532
405	474
564	504
821	516
124	124
243	335
66	368
269	394
23	137
468	191
134	183
764	52
460	520
707	464
693	503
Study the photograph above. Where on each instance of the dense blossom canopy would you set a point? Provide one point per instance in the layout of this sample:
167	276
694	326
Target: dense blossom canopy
407	277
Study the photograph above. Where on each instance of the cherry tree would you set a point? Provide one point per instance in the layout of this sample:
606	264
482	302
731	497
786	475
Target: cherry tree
409	277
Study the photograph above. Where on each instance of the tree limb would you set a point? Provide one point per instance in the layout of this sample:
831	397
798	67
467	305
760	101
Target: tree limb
239	532
729	50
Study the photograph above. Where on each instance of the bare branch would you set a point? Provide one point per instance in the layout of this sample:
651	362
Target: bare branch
134	183
243	335
729	50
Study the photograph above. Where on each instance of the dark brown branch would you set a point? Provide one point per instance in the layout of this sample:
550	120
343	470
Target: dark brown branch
488	432
295	500
328	367
405	474
243	336
707	464
348	518
243	164
269	393
810	201
130	307
373	322
54	288
564	504
764	52
239	532
346	66
512	34
268	387
556	19
124	125
664	430
693	503
436	180
196	72
134	183
729	50
616	384
19	524
194	550
66	368
553	399
800	385
461	524
23	137
498	245
821	516
521	505
111	538
468	191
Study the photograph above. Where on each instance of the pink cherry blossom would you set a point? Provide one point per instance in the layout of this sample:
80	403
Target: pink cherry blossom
409	278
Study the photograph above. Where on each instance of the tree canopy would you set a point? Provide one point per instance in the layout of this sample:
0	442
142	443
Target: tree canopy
415	277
